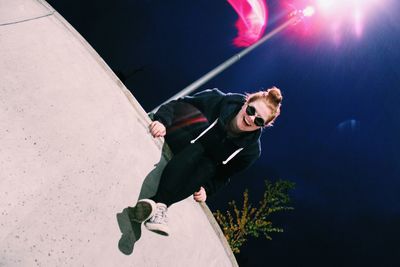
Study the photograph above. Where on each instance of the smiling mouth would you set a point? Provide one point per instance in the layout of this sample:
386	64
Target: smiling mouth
246	122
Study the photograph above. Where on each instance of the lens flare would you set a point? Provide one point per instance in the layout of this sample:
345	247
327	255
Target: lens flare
251	22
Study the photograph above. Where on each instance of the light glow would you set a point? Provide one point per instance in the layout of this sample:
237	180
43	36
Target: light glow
345	12
337	17
308	11
325	5
358	25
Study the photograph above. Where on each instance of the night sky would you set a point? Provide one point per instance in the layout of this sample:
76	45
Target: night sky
338	134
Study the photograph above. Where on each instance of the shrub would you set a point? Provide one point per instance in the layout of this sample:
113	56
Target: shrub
237	224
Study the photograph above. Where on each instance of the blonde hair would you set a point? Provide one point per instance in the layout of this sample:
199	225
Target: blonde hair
272	98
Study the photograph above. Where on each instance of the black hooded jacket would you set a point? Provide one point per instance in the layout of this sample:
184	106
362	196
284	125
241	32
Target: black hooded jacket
231	154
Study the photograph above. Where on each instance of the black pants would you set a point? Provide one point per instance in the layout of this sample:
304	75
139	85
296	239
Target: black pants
184	174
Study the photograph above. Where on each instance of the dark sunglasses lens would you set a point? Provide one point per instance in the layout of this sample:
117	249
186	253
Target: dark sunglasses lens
259	122
250	110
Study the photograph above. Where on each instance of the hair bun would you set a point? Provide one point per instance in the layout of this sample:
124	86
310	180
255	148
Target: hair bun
274	95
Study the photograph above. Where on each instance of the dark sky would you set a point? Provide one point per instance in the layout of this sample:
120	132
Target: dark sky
337	137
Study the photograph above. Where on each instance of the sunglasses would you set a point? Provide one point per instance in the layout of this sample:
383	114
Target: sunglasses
251	111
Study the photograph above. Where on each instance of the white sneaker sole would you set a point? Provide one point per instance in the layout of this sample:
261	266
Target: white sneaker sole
144	210
160	229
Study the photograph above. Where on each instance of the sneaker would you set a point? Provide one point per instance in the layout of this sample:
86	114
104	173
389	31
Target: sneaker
144	210
158	223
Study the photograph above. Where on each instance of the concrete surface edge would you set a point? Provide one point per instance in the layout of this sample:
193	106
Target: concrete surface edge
145	120
50	11
219	233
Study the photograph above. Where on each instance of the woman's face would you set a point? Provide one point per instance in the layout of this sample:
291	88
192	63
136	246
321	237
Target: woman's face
245	122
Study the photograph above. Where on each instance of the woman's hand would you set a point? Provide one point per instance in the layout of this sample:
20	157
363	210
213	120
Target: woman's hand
201	195
157	129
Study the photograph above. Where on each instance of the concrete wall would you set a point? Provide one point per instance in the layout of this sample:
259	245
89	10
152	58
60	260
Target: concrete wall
75	152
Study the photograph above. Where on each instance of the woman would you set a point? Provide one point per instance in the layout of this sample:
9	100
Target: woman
202	165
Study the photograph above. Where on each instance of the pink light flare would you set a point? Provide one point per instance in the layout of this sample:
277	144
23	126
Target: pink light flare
252	21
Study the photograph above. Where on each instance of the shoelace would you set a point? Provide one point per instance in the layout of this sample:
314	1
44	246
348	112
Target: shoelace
160	216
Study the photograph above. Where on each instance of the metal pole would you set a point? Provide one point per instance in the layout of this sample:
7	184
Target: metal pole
193	86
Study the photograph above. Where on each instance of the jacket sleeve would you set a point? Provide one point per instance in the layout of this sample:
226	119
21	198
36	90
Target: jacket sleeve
206	101
165	113
224	172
